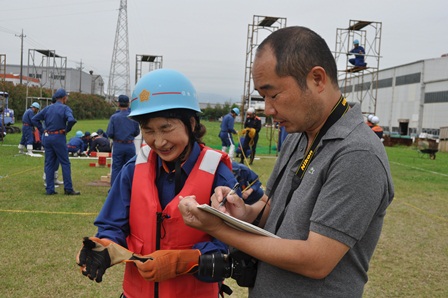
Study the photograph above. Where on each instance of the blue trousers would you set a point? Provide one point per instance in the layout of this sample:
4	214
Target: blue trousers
226	138
121	154
357	62
27	135
56	153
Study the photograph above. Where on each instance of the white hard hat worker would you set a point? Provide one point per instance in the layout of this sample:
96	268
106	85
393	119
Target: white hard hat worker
375	120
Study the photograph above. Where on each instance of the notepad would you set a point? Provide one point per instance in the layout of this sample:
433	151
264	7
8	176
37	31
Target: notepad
236	223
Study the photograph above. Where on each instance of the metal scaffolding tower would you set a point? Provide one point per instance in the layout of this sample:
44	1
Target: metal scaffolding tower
120	75
47	66
359	84
259	23
154	62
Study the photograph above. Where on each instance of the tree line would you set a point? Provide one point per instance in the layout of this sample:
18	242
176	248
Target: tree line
85	106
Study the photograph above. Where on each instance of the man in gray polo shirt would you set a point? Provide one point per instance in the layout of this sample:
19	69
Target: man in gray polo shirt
324	204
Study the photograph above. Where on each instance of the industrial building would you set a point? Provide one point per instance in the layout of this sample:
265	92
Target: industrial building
411	98
71	79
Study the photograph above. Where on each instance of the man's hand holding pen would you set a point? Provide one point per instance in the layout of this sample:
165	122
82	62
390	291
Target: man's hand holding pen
232	191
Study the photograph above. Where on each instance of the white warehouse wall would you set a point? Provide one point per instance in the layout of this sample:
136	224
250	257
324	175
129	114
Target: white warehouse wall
411	85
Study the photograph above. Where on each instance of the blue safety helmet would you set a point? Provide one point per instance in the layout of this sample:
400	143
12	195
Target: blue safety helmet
236	111
60	93
356	41
163	89
35	105
79	134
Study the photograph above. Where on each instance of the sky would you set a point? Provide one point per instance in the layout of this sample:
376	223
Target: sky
206	39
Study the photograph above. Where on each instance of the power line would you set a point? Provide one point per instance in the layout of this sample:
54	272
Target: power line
58	15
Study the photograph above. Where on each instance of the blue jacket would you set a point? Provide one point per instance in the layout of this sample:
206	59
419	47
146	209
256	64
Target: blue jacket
227	124
75	144
27	116
358	50
121	127
113	219
245	176
57	116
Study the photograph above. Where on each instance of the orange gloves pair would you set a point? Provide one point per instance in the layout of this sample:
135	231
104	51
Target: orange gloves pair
97	255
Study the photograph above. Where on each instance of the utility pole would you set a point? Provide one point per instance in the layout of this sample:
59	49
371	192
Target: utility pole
21	55
80	76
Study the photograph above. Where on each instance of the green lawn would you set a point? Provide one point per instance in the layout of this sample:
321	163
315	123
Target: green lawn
41	234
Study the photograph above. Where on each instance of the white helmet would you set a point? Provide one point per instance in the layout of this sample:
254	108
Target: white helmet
375	120
250	110
369	118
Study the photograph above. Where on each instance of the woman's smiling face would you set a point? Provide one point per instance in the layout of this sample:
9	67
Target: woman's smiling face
168	137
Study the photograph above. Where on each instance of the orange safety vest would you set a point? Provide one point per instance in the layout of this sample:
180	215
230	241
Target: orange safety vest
174	233
377	128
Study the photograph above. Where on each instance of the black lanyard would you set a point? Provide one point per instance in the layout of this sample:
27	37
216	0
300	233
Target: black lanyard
336	113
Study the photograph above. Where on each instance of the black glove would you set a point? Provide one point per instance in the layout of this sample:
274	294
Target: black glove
94	262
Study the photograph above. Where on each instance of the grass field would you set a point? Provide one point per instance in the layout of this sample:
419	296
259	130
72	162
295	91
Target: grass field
40	235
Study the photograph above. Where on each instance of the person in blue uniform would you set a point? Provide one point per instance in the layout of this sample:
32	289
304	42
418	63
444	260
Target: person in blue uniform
122	130
58	121
227	129
359	52
140	212
87	140
56	174
28	129
250	184
76	145
99	144
239	148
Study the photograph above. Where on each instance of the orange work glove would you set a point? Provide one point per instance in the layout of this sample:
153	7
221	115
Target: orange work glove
96	255
165	264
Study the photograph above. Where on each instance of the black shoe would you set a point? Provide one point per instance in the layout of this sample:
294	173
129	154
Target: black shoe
71	193
52	193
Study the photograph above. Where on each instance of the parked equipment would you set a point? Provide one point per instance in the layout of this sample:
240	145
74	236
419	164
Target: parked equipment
7	115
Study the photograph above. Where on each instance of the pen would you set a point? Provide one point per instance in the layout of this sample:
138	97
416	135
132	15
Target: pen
224	200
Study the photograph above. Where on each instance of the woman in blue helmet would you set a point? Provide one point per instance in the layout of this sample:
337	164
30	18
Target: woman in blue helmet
140	212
